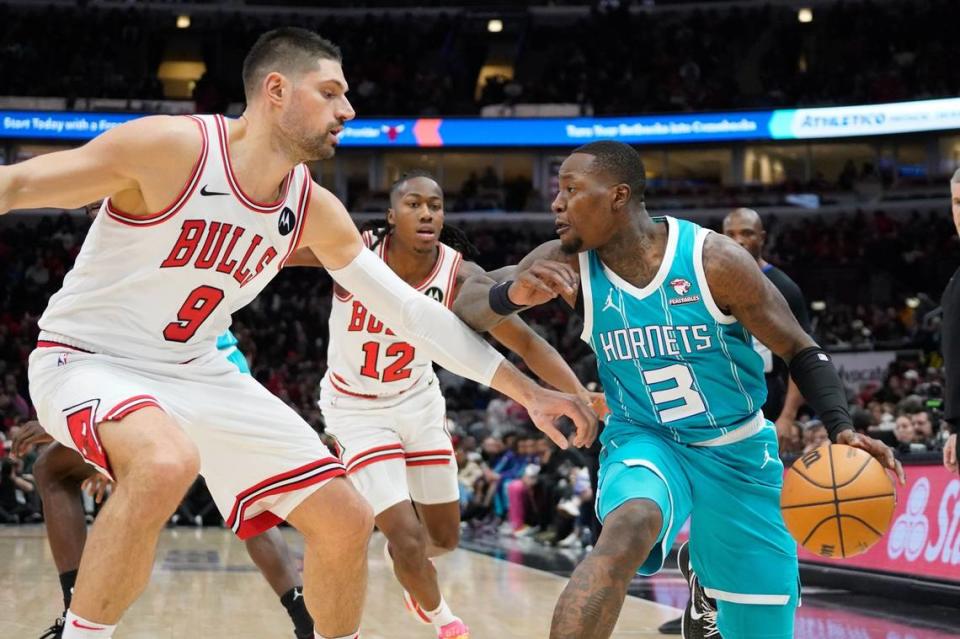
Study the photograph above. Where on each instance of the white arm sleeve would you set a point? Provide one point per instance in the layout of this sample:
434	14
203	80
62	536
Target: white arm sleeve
415	317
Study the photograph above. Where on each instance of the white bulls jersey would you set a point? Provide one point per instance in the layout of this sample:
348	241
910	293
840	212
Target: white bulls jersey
365	359
163	287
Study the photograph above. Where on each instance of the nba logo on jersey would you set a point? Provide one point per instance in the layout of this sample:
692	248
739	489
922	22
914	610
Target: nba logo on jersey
287	222
62	359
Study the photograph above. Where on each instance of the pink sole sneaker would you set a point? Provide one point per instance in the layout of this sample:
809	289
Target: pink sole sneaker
455	630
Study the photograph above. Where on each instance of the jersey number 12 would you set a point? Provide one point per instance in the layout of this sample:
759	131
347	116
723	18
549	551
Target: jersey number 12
396	370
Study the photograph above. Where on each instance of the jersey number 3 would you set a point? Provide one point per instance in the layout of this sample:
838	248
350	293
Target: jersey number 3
679	390
396	370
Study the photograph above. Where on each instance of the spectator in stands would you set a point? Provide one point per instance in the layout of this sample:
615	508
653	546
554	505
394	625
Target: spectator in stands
904	432
15	507
923	429
814	435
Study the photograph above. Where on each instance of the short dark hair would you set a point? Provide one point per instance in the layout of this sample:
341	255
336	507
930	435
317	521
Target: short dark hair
619	160
406	177
287	49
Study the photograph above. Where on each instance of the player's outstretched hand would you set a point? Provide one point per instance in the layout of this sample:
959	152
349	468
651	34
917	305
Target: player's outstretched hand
548	406
97	486
31	434
880	451
543	281
598	402
950	453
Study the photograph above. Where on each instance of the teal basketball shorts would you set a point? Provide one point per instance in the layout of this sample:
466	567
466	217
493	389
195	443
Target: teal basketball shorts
739	546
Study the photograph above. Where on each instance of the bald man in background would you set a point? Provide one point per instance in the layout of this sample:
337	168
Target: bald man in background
745	227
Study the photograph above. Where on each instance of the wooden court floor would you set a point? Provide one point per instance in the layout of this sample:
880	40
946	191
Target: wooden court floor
204	585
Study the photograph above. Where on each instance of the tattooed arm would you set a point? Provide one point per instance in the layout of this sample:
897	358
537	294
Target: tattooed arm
740	289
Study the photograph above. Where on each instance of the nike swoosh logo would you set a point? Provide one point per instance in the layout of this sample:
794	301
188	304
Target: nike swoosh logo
204	191
80	625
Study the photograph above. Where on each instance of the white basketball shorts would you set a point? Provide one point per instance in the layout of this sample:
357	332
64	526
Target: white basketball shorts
259	458
399	452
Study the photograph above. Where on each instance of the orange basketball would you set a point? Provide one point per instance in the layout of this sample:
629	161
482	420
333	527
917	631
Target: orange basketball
837	501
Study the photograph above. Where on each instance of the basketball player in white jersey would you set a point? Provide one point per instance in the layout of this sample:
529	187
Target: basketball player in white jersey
382	402
201	214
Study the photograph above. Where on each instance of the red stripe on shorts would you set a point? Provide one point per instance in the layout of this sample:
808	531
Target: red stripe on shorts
48	344
130	405
429	462
429	453
429	458
289	481
373	460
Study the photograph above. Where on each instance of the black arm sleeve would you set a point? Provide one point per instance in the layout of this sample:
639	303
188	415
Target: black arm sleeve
819	383
950	345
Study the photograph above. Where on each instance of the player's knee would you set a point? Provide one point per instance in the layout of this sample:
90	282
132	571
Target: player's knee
408	546
56	469
361	520
45	470
169	473
446	538
630	532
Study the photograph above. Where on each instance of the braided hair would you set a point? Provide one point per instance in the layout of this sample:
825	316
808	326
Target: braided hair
449	235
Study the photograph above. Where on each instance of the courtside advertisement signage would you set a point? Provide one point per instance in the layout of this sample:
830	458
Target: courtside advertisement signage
781	124
924	538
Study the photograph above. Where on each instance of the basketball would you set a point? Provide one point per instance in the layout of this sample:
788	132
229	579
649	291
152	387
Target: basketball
837	501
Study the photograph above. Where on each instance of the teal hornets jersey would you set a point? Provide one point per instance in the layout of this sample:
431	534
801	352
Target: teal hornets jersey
669	358
227	344
227	341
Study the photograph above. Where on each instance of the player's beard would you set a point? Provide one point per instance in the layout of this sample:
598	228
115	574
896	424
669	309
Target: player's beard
306	147
572	246
317	148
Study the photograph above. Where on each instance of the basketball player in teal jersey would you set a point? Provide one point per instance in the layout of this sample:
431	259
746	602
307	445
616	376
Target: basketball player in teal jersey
669	309
60	472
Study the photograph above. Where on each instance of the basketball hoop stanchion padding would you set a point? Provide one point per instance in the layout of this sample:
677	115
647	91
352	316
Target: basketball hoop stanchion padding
837	501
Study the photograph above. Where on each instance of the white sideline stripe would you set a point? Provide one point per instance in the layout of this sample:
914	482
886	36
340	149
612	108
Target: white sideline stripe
740	598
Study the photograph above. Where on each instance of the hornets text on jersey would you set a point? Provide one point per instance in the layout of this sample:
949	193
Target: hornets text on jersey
668	357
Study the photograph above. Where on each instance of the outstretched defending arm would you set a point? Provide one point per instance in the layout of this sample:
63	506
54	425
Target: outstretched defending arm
539	356
486	299
740	289
332	236
117	161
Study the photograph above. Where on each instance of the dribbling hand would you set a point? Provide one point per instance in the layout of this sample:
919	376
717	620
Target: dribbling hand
880	451
543	281
548	406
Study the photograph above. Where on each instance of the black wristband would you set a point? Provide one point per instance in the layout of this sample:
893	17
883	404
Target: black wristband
818	381
500	301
